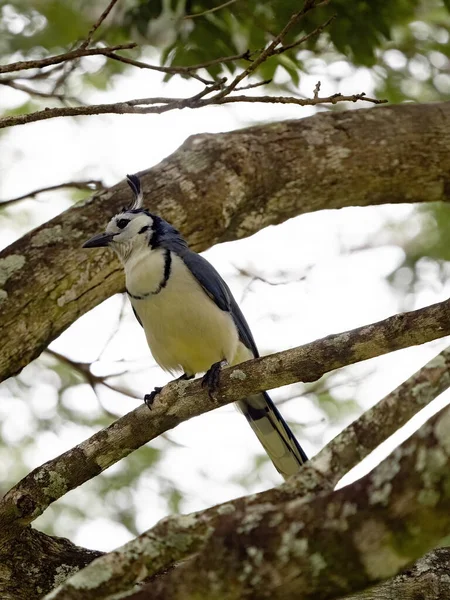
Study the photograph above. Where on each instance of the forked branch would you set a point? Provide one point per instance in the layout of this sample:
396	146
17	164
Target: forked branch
181	401
218	92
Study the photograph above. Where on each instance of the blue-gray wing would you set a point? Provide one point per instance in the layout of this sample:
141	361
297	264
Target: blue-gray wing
219	292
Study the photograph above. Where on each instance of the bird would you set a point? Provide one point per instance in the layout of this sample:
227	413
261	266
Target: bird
190	318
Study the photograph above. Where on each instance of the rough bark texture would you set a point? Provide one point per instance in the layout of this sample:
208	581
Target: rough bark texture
178	537
183	400
427	579
333	544
222	187
31	563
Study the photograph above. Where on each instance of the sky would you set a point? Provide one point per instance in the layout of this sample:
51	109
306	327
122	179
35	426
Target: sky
322	286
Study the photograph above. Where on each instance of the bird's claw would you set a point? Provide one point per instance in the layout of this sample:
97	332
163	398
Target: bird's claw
150	398
211	379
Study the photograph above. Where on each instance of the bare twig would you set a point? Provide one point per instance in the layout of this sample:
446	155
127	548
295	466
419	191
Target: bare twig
167	104
210	10
250	86
333	99
61	58
68	69
92	185
306	37
182	70
271	48
162	105
33	92
84	369
317	90
45	73
113	333
190	71
97	24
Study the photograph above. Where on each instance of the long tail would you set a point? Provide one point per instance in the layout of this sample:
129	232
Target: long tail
274	434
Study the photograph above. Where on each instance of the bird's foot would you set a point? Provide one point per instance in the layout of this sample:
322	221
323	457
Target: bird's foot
150	398
184	377
211	379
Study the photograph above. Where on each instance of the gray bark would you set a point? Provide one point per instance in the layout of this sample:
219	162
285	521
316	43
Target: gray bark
310	548
222	187
49	561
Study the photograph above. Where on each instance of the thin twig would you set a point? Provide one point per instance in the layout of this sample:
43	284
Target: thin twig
33	92
61	58
84	369
306	37
270	50
93	185
68	69
97	24
43	74
130	106
113	333
333	99
250	86
176	70
210	10
317	90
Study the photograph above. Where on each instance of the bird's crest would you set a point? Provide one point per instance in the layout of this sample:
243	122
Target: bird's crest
135	185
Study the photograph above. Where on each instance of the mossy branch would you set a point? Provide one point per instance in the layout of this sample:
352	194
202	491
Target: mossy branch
318	547
247	180
175	538
181	400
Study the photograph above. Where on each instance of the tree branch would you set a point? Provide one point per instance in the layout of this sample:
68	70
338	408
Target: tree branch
210	10
333	544
275	47
40	63
162	105
427	579
180	401
32	563
247	180
157	549
90	185
272	49
97	24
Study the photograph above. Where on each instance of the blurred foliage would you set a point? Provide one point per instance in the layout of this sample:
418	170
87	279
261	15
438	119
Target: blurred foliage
425	267
403	44
406	41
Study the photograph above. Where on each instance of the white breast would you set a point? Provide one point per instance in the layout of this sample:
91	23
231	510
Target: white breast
185	329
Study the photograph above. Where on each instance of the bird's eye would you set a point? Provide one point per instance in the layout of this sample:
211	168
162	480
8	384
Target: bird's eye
122	223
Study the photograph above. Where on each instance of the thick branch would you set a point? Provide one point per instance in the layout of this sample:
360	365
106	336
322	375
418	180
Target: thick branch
427	579
176	538
335	544
180	401
217	188
33	563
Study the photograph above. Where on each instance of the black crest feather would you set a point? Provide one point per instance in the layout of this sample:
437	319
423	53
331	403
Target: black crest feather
135	185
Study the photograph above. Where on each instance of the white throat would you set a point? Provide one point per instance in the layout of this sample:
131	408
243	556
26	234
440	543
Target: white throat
132	250
144	270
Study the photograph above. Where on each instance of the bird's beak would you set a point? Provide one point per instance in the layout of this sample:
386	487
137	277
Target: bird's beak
99	241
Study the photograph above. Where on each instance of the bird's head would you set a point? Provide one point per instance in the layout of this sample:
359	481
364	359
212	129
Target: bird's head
135	229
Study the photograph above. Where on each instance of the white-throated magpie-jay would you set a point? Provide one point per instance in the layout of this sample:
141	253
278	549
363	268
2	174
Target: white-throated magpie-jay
190	318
